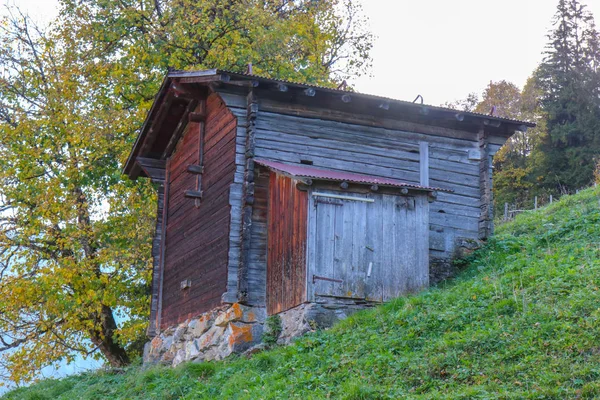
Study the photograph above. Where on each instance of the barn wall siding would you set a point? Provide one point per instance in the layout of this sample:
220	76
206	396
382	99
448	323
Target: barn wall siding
197	238
286	253
236	203
257	268
386	153
291	132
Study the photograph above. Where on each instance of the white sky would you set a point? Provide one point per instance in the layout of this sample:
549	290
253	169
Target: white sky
445	49
441	49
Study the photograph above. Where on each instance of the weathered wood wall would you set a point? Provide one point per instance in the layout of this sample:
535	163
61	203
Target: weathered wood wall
387	153
374	247
286	253
156	269
197	237
295	132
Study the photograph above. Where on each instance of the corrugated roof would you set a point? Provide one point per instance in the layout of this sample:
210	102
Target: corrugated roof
305	171
180	74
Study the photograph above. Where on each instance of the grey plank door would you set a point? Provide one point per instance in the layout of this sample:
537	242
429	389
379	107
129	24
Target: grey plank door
344	253
375	250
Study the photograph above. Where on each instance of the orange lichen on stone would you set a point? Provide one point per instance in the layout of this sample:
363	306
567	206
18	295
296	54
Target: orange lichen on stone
237	310
240	334
156	342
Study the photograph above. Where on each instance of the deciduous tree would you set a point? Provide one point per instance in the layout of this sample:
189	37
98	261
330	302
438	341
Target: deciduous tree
74	233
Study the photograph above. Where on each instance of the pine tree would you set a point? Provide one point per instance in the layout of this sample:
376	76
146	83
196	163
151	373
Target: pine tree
570	80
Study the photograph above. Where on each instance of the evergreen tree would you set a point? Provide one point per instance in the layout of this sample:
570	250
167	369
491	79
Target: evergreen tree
570	80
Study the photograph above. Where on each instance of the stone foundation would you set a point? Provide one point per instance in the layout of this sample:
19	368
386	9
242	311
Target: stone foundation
312	316
237	329
211	336
441	269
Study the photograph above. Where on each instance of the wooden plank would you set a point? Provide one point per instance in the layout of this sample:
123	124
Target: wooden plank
329	115
386	274
424	163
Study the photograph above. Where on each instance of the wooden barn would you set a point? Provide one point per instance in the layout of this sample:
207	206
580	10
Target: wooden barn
273	194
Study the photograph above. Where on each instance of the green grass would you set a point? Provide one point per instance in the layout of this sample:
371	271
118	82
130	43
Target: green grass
521	321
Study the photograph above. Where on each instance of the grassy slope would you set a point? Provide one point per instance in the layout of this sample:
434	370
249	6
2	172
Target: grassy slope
522	321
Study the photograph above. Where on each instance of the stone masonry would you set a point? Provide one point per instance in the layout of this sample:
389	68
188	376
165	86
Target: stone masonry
238	328
211	336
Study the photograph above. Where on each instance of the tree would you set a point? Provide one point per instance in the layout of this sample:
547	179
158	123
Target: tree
514	179
75	234
570	81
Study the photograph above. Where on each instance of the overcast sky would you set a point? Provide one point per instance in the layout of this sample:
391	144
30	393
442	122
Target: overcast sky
441	49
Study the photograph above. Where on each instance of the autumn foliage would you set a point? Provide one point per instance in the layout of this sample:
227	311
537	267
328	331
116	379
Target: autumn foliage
75	235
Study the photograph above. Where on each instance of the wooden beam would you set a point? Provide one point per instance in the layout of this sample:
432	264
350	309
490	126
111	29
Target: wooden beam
193	194
179	129
493	123
384	105
310	92
151	162
200	79
196	117
163	247
424	163
195	169
153	168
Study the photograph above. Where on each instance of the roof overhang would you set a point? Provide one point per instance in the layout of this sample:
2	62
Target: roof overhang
180	88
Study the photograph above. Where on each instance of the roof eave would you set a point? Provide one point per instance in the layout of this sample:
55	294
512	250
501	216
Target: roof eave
491	120
206	76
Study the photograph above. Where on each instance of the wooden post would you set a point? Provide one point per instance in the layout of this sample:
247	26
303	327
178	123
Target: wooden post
424	163
486	217
550	199
248	197
506	211
535	203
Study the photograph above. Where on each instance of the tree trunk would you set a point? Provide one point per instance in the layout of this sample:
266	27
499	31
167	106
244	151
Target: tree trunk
103	338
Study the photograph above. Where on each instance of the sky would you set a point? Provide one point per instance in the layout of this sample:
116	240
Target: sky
440	49
445	50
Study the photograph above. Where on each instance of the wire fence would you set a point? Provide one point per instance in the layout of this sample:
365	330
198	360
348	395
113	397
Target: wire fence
511	211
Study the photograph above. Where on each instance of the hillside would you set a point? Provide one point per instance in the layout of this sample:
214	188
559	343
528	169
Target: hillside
522	321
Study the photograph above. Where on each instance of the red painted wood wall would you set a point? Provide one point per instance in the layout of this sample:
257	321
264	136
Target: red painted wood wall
197	238
286	258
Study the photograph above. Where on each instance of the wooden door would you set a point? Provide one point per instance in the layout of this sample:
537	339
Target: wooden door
367	246
344	252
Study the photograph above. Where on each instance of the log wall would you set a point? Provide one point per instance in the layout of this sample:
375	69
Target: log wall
294	132
197	232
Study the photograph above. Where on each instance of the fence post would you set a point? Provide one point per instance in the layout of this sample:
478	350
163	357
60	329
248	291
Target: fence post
535	203
506	211
550	199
